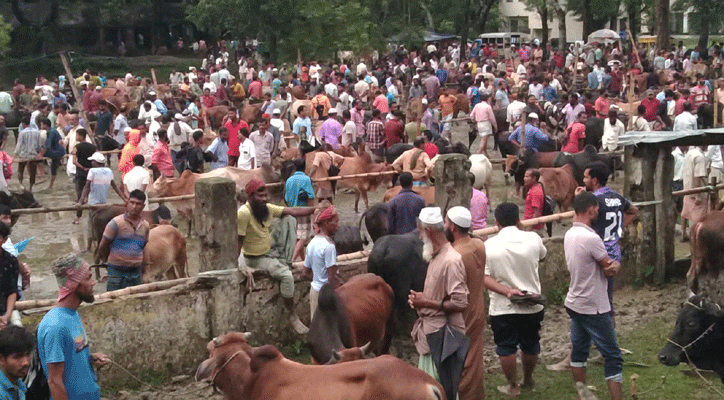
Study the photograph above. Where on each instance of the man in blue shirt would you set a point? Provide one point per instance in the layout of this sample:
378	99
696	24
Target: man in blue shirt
16	347
218	150
299	191
533	136
405	207
160	107
62	342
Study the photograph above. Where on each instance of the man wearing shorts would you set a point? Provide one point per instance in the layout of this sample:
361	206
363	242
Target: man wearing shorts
265	249
299	191
484	118
511	267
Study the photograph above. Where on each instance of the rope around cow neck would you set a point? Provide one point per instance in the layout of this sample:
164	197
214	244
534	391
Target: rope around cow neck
148	386
213	377
709	384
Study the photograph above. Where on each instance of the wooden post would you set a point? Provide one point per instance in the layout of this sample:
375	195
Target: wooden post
452	182
76	93
215	220
153	75
713	195
716	107
664	174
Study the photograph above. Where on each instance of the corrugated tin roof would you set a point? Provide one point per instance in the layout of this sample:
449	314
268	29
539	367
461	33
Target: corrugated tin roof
636	137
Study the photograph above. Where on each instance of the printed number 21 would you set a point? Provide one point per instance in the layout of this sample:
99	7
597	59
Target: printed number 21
616	224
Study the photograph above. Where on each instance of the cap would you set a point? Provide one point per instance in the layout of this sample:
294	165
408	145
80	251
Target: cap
127	129
98	157
332	111
151	93
424	101
82	83
460	216
178	116
276	112
431	215
532	116
253	186
43	98
98	88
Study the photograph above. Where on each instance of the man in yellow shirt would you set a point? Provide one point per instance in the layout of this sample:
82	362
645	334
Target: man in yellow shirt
239	93
267	249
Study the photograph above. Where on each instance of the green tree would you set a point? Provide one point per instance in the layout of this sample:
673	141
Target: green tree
594	13
5	29
705	12
542	7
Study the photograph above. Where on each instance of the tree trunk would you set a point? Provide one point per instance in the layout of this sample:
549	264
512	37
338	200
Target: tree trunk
586	17
561	14
634	14
544	24
486	12
704	34
464	32
661	8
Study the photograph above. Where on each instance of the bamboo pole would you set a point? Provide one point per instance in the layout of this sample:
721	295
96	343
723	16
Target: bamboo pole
76	93
16	160
716	106
697	190
528	222
75	207
358	255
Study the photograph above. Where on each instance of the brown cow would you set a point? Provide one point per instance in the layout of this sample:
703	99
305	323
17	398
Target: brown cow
426	192
359	165
100	217
244	372
166	252
216	114
707	255
560	184
298	93
251	112
355	313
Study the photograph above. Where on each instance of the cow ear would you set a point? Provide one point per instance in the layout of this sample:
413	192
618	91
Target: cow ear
206	369
714	309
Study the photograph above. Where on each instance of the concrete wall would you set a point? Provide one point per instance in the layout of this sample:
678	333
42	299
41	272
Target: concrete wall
166	332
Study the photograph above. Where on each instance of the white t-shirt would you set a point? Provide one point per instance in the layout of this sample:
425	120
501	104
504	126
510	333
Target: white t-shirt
349	133
246	153
135	179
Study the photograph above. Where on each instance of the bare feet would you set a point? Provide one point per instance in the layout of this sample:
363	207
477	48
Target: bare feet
563	365
528	385
297	325
510	390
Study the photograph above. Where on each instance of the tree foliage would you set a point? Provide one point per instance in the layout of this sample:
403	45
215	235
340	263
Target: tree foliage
320	28
595	14
5	29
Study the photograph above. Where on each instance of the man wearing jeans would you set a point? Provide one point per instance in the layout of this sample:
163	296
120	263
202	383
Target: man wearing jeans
587	300
123	242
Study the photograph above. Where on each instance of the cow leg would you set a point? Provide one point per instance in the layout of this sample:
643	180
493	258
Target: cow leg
363	192
356	201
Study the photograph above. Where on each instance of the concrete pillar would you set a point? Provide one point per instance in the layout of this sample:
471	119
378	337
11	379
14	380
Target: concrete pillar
452	181
215	221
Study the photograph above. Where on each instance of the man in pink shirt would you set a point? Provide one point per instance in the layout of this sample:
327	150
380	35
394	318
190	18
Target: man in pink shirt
699	94
534	199
357	114
576	133
161	157
233	123
484	117
380	103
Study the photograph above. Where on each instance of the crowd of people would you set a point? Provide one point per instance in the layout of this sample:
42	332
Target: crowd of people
405	96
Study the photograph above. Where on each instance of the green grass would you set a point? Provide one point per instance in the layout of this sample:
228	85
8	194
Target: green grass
645	344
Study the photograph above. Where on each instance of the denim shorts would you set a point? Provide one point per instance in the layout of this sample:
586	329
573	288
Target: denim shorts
121	277
599	329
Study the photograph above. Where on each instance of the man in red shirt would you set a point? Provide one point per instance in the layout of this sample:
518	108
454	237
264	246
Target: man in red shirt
699	94
576	133
207	99
233	123
683	98
651	104
602	105
254	91
534	199
394	130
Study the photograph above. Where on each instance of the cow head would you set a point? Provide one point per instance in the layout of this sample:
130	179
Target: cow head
698	331
228	365
353	354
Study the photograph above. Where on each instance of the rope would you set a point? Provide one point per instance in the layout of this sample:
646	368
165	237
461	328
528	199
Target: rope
691	364
147	386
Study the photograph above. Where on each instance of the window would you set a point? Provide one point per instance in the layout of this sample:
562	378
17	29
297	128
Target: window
519	24
676	22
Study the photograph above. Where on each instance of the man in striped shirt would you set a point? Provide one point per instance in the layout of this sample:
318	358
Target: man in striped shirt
123	242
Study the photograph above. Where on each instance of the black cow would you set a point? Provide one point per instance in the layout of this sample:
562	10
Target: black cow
347	240
501	119
17	200
106	143
376	221
398	260
698	333
330	328
579	161
594	132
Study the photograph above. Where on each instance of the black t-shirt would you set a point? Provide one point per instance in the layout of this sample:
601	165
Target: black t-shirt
9	271
83	151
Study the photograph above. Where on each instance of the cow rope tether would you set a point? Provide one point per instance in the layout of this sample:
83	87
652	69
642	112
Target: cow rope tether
213	377
691	364
152	387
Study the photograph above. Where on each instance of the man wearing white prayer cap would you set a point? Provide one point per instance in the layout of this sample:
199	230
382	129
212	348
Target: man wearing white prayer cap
445	294
533	136
472	250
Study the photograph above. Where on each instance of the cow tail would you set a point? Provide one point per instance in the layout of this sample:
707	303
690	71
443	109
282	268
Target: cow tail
359	226
436	394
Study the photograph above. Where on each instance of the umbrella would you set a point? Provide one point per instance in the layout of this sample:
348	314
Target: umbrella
603	36
449	348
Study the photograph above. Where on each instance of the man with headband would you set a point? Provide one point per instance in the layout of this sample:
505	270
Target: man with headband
62	341
267	249
320	265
